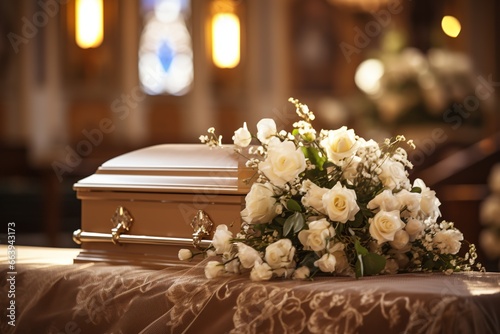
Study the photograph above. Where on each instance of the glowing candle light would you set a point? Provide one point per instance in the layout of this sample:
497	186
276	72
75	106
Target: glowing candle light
89	23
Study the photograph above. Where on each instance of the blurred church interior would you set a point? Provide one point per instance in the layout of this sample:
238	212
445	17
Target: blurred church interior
83	81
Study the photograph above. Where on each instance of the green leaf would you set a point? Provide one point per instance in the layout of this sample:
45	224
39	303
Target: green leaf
360	250
416	190
293	205
294	223
300	222
313	155
373	263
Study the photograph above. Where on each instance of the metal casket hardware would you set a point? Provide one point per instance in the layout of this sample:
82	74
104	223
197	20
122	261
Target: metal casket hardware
122	221
202	226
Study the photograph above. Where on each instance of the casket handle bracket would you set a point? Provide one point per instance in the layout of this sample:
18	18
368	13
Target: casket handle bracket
202	226
122	221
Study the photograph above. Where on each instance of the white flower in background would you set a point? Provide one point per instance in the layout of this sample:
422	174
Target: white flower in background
448	241
326	263
248	256
490	243
401	240
494	179
214	269
393	174
340	203
280	254
185	254
414	227
429	203
409	200
317	237
266	129
301	273
284	162
222	239
313	196
384	225
339	144
260	204
261	272
490	210
242	137
385	201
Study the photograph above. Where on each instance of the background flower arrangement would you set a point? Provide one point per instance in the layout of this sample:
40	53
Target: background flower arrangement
332	202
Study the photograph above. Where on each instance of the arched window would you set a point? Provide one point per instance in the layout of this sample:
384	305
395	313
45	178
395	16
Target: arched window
165	49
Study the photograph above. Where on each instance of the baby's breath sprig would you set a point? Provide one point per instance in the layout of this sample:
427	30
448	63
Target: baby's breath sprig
302	110
212	140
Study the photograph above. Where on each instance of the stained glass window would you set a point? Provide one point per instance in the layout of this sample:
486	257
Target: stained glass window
165	49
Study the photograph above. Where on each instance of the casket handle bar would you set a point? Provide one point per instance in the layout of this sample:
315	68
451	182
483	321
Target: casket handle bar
122	220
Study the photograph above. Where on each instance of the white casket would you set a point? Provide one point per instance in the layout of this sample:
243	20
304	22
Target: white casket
143	206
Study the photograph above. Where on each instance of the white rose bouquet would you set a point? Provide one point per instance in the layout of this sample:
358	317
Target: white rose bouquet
334	203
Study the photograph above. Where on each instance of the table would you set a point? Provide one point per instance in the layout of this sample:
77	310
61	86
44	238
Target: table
53	295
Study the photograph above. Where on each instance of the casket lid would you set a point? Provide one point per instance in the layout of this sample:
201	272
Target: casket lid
183	168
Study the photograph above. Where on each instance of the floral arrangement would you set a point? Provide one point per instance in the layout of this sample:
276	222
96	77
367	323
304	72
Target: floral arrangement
332	202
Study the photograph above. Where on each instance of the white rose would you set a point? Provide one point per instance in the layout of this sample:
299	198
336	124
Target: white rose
313	196
185	254
448	241
242	137
284	162
385	201
280	254
301	273
260	204
409	200
339	144
266	129
401	239
261	272
248	256
400	257
326	263
393	174
317	237
283	272
414	227
222	239
384	225
342	265
391	267
350	171
340	203
429	203
214	269
232	266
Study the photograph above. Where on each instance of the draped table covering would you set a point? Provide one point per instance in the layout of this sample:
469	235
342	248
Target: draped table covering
53	295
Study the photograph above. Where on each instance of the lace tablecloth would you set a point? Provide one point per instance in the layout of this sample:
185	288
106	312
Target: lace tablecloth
52	295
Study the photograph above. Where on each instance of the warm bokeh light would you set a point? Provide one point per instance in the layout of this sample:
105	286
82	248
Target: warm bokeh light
368	75
451	26
89	23
226	40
